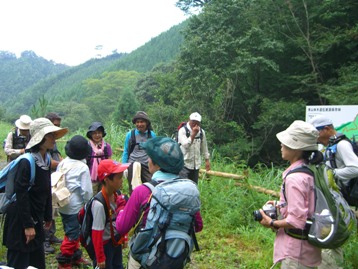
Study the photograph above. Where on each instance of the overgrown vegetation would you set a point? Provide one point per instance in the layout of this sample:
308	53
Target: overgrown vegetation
249	67
230	238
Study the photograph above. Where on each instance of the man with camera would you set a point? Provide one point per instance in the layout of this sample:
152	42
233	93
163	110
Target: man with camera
17	139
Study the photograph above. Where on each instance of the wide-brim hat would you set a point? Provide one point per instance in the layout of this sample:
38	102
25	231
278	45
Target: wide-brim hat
141	115
23	123
78	148
299	135
107	167
165	152
95	126
41	127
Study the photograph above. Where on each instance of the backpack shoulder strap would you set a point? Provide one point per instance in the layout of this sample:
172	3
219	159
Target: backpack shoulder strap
331	150
132	142
187	132
31	160
300	169
150	185
105	150
149	134
99	197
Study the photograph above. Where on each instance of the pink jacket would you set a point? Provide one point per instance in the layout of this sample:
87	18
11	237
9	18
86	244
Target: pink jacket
300	206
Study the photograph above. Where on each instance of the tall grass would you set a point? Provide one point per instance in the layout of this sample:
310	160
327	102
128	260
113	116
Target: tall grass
230	238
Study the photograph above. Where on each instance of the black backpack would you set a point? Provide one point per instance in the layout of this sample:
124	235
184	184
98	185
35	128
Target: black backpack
85	219
350	192
133	141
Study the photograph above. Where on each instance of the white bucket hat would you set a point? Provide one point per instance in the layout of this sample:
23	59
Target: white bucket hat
299	135
195	116
41	127
23	123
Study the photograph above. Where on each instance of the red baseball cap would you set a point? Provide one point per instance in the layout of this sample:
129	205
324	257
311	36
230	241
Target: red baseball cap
107	167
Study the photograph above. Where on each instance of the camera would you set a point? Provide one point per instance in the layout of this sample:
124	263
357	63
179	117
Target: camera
269	210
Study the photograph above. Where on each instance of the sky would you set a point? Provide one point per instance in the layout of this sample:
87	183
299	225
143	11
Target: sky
69	31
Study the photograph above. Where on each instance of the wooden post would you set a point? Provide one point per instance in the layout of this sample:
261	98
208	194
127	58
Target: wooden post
240	177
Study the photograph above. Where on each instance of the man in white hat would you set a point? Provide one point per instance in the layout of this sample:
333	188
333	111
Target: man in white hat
345	169
193	144
17	139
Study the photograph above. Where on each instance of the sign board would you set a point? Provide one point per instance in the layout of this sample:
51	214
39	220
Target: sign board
345	118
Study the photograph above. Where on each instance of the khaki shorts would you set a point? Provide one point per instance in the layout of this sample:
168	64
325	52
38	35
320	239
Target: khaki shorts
292	264
331	259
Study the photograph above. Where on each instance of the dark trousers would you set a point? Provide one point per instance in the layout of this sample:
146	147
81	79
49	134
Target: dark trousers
22	260
145	175
113	256
192	174
51	232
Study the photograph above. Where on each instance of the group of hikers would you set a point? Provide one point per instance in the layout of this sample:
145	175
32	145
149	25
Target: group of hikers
90	172
147	160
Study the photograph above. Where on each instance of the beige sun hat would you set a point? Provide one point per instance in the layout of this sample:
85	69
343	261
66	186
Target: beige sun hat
299	135
41	127
23	123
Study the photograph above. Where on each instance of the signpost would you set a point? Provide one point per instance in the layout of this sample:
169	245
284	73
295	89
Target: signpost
345	118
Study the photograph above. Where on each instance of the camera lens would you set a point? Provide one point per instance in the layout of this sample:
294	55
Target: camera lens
257	215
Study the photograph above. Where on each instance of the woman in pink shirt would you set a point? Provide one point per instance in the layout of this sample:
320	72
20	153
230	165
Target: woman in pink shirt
296	204
164	165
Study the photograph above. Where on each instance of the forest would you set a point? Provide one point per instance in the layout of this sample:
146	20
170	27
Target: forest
248	67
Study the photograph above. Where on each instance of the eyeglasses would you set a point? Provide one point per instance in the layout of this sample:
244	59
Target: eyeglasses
320	128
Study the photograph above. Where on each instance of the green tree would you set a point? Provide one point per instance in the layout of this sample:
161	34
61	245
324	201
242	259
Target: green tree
40	109
104	93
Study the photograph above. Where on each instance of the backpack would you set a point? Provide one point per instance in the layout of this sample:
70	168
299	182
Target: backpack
18	141
175	135
85	219
7	180
349	192
333	221
166	240
133	142
60	193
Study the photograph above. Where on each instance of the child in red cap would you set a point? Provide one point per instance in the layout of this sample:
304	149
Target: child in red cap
106	240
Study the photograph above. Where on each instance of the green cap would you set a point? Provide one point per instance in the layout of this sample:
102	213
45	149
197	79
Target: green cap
166	153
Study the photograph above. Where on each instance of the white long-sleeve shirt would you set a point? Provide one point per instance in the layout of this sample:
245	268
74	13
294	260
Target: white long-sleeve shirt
78	182
193	150
347	162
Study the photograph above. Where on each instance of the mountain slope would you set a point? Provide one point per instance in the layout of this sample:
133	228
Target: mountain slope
17	74
66	86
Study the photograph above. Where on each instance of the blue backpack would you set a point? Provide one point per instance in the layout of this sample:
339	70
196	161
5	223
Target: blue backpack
350	191
7	181
166	241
